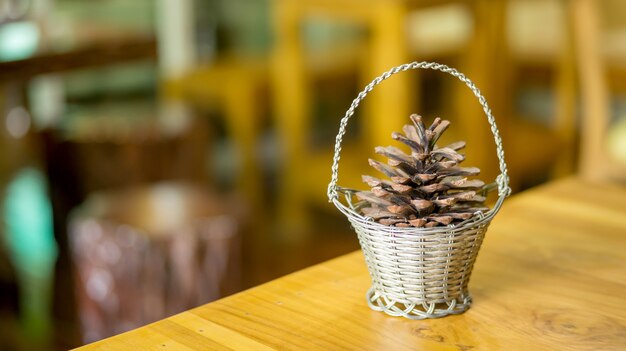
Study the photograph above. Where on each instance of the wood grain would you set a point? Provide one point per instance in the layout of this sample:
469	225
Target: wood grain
551	275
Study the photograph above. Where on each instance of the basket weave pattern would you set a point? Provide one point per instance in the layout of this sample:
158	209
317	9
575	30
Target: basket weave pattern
419	273
419	276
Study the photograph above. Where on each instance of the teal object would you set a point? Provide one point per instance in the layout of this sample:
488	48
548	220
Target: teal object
29	238
18	40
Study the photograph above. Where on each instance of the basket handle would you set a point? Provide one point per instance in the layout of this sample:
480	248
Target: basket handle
502	180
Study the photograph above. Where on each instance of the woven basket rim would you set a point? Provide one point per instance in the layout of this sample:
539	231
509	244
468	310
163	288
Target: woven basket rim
477	219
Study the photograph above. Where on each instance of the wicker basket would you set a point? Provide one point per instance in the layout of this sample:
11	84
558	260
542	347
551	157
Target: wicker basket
419	273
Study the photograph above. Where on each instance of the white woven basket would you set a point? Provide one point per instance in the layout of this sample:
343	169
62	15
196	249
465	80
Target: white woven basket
419	273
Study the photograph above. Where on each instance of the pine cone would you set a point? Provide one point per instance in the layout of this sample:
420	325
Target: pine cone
426	188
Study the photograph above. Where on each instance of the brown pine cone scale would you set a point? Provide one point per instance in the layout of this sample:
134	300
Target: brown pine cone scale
426	188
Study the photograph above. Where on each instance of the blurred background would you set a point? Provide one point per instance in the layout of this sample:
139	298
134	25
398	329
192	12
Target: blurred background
156	155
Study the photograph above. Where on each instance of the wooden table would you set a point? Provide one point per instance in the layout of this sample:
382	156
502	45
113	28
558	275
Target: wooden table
551	275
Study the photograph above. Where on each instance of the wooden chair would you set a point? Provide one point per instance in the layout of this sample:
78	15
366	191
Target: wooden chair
596	162
234	87
540	51
305	173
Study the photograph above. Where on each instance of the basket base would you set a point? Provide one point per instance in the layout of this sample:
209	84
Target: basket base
378	302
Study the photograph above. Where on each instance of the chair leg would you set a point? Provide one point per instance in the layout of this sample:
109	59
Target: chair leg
243	125
486	65
388	109
565	110
292	115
